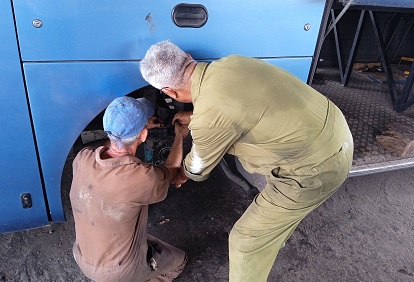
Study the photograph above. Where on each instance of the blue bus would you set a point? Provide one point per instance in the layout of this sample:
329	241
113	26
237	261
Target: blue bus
62	62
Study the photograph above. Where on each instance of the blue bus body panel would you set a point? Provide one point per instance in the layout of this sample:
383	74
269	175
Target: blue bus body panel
64	98
299	67
19	170
112	30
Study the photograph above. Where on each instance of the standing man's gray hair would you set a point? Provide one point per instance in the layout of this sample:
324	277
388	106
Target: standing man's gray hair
164	65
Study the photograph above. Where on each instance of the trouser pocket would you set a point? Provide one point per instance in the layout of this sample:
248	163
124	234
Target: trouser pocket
152	249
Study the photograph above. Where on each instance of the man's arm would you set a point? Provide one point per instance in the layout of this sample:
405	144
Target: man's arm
175	157
209	147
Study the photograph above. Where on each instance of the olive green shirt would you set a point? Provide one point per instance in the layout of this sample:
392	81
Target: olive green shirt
258	112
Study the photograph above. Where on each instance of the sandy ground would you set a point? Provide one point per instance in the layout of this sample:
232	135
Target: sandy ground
364	232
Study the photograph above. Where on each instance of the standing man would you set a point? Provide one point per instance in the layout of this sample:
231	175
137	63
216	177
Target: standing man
275	124
110	194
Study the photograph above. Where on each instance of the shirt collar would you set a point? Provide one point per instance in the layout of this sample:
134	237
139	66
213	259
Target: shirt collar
114	162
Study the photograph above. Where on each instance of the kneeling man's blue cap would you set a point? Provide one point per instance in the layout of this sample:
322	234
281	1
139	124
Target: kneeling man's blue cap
125	116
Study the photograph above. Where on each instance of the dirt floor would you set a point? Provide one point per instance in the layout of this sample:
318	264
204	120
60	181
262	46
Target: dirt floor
364	232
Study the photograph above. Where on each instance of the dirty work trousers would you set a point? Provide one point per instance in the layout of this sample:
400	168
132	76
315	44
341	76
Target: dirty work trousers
294	188
170	263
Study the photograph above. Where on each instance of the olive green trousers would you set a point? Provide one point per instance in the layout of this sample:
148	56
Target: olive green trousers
293	190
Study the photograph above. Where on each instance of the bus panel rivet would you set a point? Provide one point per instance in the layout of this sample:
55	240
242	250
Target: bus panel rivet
37	23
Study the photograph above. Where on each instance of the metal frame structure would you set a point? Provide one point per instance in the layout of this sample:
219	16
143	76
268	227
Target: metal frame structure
401	101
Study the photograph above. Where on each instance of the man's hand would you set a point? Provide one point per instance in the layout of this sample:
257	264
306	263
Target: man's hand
153	122
180	178
181	130
182	117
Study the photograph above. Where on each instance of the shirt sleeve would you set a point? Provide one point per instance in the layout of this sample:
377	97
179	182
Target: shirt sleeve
209	147
154	183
